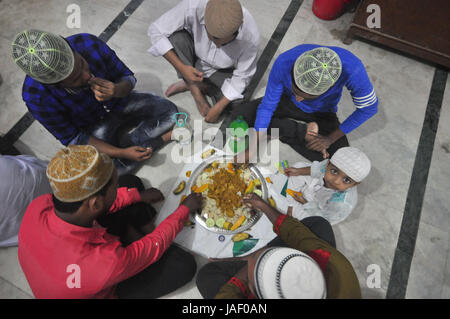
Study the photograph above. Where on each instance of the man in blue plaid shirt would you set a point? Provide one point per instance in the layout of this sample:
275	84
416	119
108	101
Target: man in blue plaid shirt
82	93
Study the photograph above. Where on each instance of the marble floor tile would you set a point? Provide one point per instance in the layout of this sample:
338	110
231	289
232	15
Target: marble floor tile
428	268
369	237
9	291
11	271
32	142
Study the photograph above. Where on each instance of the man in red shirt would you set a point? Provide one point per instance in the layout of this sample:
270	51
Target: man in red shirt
66	253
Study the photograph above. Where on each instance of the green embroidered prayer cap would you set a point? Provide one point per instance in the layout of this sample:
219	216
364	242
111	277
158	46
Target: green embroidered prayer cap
44	56
317	70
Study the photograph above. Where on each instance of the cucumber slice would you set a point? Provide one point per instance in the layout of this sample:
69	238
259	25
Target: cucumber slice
210	222
220	222
257	192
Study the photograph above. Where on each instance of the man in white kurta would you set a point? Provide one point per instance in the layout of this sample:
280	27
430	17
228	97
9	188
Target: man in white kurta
213	45
22	179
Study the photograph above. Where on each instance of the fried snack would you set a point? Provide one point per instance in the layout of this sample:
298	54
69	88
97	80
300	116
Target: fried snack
208	153
179	188
240	237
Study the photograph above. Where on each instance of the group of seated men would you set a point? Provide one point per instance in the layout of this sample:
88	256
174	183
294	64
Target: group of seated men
86	226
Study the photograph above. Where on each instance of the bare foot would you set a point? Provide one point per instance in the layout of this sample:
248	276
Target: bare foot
177	87
202	105
312	129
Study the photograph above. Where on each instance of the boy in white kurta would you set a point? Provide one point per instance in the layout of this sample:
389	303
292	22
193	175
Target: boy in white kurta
327	188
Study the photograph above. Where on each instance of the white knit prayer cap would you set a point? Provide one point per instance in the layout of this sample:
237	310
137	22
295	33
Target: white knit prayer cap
352	162
286	273
316	70
44	56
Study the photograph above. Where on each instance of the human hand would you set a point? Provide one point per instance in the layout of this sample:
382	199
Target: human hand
191	74
136	153
104	90
319	143
300	199
292	171
152	195
193	201
253	201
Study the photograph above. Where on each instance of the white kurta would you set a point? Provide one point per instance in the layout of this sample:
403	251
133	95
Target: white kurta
22	179
325	202
239	54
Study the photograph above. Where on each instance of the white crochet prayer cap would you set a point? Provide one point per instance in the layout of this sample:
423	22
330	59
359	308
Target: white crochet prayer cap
44	56
316	70
286	273
352	162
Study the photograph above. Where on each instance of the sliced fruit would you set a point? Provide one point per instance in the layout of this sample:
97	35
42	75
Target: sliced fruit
227	225
180	188
238	223
257	192
215	164
208	153
188	173
250	187
293	193
210	222
201	189
240	237
257	181
220	222
272	202
194	188
269	180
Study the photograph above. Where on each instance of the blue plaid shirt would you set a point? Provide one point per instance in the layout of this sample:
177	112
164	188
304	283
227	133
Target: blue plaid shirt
65	114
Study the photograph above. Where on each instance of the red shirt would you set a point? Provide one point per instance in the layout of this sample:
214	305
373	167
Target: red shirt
62	260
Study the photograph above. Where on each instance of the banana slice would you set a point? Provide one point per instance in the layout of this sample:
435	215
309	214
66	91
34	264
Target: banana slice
179	188
208	153
240	237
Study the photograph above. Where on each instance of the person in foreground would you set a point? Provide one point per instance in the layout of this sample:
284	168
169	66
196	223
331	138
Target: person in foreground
213	45
66	252
326	188
82	93
301	263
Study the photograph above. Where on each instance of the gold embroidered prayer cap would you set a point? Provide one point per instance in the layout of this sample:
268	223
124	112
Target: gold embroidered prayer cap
223	17
78	171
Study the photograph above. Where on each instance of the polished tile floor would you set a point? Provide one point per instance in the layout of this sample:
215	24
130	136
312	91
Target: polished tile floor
390	139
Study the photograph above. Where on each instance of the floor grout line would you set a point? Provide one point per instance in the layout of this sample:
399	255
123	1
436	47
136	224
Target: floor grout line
406	244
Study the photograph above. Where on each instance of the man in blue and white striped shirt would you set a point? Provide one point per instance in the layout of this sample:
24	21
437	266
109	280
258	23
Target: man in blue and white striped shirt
305	85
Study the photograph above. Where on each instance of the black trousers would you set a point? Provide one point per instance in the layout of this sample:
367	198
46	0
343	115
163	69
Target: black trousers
292	132
213	276
172	271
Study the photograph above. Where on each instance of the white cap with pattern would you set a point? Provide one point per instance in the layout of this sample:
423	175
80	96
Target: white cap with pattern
315	71
287	273
352	162
44	56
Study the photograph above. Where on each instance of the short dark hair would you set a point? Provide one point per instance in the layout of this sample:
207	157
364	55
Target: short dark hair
71	208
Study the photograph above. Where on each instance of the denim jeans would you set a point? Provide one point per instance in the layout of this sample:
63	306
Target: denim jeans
147	115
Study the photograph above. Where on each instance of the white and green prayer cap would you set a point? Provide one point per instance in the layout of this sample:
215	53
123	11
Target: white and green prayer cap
315	71
44	56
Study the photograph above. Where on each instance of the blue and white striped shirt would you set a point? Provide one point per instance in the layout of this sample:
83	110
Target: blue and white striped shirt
354	77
